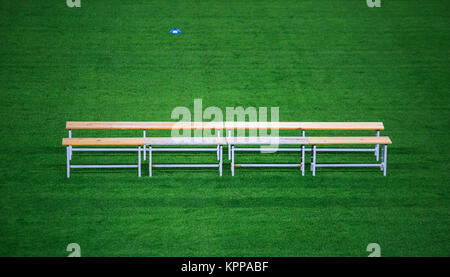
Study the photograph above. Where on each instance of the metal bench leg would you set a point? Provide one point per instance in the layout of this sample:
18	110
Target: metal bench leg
385	160
232	160
150	160
70	146
377	147
218	146
145	135
313	164
221	160
139	162
229	146
303	160
68	161
381	159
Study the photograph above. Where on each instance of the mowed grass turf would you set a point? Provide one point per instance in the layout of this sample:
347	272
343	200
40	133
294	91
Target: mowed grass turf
316	60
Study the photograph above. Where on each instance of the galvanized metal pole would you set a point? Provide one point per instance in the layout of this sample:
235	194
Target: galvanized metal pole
232	160
145	135
381	159
70	146
68	161
221	160
385	160
218	150
229	146
313	165
139	161
377	146
303	160
150	160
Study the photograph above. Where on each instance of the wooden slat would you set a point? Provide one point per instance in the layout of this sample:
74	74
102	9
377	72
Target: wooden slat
102	141
166	125
263	125
306	125
342	125
349	140
141	125
222	140
185	141
267	140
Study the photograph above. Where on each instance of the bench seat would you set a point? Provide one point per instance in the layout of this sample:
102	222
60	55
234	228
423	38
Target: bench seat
348	140
222	141
102	141
314	142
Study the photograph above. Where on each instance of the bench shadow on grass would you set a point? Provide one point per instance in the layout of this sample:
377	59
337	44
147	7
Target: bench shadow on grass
410	165
240	202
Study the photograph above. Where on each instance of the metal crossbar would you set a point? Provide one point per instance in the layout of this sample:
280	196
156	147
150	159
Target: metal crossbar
151	165
381	165
376	149
69	154
185	165
233	149
267	165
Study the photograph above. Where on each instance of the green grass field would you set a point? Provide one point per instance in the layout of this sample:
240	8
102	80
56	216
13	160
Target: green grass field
316	60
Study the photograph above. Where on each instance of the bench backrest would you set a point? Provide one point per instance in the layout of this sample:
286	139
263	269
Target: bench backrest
166	125
140	125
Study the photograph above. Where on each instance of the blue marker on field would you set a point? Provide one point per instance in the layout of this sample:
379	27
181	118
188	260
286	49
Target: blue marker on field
175	31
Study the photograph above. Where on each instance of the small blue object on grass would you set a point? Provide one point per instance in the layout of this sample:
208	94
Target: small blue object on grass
175	31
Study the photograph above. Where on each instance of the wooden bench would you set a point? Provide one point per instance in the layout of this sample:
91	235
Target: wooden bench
150	142
70	142
218	126
140	143
261	141
311	126
229	126
313	141
143	126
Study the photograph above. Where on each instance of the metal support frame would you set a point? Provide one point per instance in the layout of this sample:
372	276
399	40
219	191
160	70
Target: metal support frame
151	165
150	160
377	146
220	160
249	149
70	146
218	146
70	150
164	149
303	160
313	161
232	160
381	165
68	161
376	149
105	149
145	135
229	146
